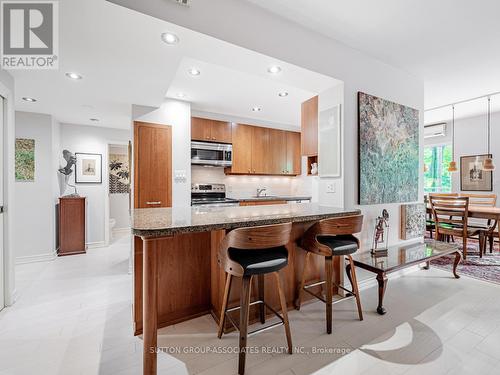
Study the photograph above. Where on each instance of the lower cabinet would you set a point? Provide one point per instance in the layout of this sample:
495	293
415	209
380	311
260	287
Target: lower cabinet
261	203
71	225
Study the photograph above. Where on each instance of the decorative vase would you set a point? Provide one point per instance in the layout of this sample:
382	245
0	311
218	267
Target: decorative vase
314	168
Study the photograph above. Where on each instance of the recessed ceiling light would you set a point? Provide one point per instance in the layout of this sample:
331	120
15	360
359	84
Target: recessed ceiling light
94	119
74	76
194	72
170	38
28	99
256	109
181	95
283	94
274	69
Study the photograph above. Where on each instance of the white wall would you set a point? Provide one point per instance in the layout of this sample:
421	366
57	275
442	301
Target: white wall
471	139
177	114
7	219
288	41
34	218
94	140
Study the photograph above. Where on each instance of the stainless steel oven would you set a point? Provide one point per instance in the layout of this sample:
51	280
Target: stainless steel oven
207	153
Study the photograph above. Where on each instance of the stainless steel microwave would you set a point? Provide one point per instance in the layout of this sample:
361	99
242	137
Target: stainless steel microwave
208	153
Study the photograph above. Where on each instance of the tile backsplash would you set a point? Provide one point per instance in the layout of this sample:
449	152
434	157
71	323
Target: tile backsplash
246	186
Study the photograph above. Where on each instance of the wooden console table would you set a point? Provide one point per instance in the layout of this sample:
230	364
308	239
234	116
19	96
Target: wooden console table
401	257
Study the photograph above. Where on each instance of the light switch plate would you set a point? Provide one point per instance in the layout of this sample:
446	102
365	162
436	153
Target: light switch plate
330	188
180	176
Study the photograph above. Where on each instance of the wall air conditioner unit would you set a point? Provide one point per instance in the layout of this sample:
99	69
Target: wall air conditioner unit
435	130
183	2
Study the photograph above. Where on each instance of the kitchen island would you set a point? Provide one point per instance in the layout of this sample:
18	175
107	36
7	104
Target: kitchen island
176	275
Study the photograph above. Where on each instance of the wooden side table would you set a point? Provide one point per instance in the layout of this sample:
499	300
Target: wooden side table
72	225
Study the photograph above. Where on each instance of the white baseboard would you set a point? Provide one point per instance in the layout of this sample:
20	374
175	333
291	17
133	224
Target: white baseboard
95	245
372	281
37	258
121	230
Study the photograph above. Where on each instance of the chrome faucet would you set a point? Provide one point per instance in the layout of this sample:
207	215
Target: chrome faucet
260	191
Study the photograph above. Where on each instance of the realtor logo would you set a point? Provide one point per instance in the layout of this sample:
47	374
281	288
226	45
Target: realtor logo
30	34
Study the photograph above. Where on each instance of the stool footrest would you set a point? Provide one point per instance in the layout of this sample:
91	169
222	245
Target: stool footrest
320	297
259	330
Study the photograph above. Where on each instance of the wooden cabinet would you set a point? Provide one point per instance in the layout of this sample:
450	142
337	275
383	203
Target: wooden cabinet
71	225
293	157
277	151
242	149
210	130
260	150
152	165
261	203
309	127
265	151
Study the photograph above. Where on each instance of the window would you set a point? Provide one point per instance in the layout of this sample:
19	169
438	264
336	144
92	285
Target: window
437	179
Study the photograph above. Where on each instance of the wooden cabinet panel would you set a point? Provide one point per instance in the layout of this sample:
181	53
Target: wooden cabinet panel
201	129
277	151
309	127
152	165
242	149
261	203
71	225
293	156
260	150
221	131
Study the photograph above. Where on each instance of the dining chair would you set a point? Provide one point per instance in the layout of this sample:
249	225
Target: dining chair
451	215
429	222
490	226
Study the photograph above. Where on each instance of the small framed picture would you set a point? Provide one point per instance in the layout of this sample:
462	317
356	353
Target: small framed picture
88	168
472	175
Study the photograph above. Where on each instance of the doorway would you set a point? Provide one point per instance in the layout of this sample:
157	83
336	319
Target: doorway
119	190
2	255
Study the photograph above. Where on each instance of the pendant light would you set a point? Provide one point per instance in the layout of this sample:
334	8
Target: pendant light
488	163
453	164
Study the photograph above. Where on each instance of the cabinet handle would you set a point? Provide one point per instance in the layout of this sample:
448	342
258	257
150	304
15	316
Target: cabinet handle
153	203
213	137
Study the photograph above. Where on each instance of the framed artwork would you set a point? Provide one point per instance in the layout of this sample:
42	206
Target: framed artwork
119	174
412	221
88	168
25	160
388	151
329	151
472	176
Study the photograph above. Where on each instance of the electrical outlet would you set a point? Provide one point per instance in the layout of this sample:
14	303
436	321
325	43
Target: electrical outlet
180	176
330	188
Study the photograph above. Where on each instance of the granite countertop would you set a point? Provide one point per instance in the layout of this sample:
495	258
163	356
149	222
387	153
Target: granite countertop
157	222
273	198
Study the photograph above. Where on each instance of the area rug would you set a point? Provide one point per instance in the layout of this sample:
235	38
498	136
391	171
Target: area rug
486	268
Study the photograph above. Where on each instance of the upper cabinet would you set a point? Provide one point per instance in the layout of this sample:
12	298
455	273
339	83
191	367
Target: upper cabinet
210	130
265	151
309	125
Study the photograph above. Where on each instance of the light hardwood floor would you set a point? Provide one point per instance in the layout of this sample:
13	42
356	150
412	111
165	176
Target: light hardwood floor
73	316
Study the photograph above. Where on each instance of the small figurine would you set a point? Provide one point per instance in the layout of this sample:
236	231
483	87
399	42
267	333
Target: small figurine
380	235
68	170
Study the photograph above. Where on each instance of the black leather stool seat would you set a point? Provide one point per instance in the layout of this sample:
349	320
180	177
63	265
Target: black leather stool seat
340	245
259	261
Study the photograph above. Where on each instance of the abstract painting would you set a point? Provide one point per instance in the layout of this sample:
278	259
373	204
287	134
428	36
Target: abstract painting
118	174
472	175
412	221
88	168
25	160
388	151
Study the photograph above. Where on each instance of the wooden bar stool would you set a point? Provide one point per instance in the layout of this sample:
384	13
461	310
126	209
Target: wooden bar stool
248	252
330	238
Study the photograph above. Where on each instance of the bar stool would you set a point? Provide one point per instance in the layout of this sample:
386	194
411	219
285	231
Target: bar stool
330	238
248	252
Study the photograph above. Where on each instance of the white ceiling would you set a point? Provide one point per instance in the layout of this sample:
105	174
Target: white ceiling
123	60
451	44
223	90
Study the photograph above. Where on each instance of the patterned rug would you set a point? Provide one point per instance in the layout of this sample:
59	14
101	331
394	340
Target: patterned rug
486	268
